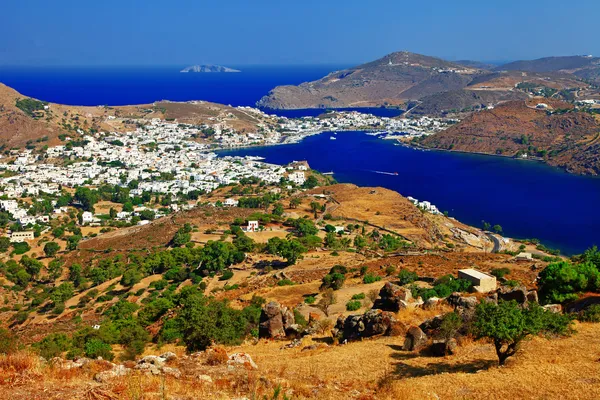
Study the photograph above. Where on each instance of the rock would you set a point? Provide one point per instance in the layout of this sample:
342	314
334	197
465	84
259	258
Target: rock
204	378
519	294
371	323
276	322
441	348
532	296
242	359
174	372
393	298
492	298
294	343
153	360
415	339
555	308
467	302
168	356
432	302
431	324
116	371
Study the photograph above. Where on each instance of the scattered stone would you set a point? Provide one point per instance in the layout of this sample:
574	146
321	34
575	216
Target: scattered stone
242	359
432	302
415	339
371	323
294	343
174	372
431	324
168	356
204	378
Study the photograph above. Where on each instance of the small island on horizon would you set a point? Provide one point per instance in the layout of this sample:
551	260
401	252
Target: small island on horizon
208	68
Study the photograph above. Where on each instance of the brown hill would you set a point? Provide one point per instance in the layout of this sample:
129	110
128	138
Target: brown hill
389	80
587	67
563	137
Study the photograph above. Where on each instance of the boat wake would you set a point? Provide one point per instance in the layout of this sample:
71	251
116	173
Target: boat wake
385	173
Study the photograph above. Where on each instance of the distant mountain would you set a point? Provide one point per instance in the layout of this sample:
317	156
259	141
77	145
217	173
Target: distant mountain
475	64
587	67
208	68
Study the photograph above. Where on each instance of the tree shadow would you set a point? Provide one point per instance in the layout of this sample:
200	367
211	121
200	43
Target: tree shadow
404	370
327	339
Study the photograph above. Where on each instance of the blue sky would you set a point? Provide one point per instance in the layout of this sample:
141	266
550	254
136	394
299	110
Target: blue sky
242	32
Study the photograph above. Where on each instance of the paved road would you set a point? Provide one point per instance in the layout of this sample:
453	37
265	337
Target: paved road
496	241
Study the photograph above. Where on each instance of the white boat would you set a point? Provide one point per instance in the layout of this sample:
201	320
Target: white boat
332	138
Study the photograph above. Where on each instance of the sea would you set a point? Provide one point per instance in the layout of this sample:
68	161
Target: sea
527	198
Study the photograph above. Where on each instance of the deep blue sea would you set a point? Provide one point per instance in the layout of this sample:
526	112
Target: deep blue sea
528	199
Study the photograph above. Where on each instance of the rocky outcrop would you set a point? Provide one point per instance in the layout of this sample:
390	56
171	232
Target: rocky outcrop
277	322
441	348
393	298
242	359
371	323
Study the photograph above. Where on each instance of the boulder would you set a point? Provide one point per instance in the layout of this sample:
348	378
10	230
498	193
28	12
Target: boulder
432	324
507	293
466	302
242	359
393	298
415	339
555	308
441	348
168	356
532	296
371	323
273	321
117	370
432	302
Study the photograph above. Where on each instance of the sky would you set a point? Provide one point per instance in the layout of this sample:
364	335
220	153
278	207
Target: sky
294	32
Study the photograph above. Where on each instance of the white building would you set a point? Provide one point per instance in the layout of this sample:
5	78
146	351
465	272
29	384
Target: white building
252	226
87	217
297	177
16	237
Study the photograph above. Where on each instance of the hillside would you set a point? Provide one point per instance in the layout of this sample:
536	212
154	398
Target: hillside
37	123
432	86
389	80
559	135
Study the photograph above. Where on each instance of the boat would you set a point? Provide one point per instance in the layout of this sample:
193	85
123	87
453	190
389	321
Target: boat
332	138
328	173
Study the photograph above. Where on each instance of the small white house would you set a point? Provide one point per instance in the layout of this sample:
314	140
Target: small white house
87	217
17	237
231	203
297	177
252	226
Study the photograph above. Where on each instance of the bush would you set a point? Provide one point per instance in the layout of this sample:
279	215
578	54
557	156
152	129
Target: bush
590	314
500	272
353	305
371	278
285	282
310	300
358	296
53	345
405	277
227	274
562	281
95	348
333	281
8	342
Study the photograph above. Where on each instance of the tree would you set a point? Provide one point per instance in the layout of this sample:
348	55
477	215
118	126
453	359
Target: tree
497	228
295	202
314	206
217	255
73	241
304	227
62	293
180	238
4	244
507	325
486	225
311	182
278	209
86	197
51	248
562	281
328	298
291	250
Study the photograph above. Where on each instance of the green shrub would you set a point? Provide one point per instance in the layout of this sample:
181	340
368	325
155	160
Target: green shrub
8	342
562	281
358	296
95	348
310	300
285	282
333	281
500	272
371	278
405	277
53	345
227	274
590	314
353	305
